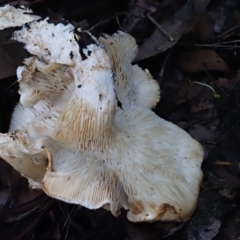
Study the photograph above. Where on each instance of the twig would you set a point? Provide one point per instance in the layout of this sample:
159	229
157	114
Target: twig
160	28
117	19
12	84
163	67
233	41
210	45
230	30
216	95
223	163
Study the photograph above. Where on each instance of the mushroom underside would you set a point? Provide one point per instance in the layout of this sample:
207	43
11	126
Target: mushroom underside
68	131
156	182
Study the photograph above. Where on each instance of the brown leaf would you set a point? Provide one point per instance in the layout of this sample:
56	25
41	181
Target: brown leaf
203	104
200	133
175	26
203	28
138	10
3	196
222	82
201	60
204	232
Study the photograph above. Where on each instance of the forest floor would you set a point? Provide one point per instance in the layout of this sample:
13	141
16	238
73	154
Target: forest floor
192	50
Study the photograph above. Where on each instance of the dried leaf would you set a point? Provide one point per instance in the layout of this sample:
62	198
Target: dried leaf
202	105
203	28
11	56
204	231
175	26
200	133
138	10
204	59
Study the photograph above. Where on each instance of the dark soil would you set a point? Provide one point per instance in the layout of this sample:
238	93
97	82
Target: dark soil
199	76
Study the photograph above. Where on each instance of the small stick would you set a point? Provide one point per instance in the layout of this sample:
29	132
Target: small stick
160	28
223	163
230	30
117	19
163	67
216	95
12	84
214	45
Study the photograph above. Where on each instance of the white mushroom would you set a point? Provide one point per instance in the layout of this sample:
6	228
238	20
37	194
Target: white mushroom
100	154
44	88
51	43
133	85
15	17
93	104
16	149
154	165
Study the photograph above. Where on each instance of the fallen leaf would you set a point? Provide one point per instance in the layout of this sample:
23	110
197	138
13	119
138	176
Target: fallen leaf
203	105
3	196
222	82
204	231
138	9
12	55
203	28
200	133
200	60
177	25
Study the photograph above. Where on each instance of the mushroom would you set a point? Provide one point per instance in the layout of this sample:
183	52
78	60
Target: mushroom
100	154
45	87
16	149
44	90
132	83
51	43
15	17
106	156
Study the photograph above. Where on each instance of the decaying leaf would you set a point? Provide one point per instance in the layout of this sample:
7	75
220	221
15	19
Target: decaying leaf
138	9
182	23
204	232
9	60
201	60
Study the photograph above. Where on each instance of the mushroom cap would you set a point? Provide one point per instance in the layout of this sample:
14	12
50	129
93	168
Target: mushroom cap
152	168
162	167
133	85
82	175
53	43
15	17
16	149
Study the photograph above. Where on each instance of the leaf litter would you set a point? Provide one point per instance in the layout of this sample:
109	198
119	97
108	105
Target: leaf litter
203	59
